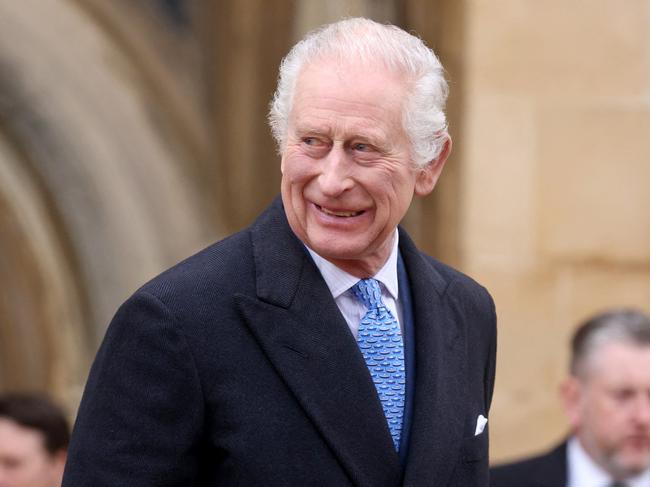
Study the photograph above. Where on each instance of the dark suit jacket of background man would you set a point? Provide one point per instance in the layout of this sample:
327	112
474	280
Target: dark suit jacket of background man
547	470
236	367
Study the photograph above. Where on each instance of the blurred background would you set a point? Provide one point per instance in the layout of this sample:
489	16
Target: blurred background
132	134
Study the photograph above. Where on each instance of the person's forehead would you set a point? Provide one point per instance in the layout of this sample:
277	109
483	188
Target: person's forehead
355	75
620	361
325	89
19	438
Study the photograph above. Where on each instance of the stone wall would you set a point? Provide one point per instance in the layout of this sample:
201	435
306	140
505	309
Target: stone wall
555	187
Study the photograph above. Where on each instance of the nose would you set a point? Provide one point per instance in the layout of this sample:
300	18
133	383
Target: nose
335	176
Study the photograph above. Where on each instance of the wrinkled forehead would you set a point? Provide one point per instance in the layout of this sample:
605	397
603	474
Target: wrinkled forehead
355	76
331	93
372	83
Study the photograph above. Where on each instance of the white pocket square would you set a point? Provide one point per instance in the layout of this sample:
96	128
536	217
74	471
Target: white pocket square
481	421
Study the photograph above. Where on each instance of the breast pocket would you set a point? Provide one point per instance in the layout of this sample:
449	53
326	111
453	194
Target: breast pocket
472	468
475	448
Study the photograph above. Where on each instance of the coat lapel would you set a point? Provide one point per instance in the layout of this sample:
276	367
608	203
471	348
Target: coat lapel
437	424
299	327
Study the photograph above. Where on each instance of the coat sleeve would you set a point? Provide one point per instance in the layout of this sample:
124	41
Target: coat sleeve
140	417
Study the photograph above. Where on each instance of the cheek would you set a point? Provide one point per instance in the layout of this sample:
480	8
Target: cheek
583	413
401	193
609	419
390	183
297	170
403	182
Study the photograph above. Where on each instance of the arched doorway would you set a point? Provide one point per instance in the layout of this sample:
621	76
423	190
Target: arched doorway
95	194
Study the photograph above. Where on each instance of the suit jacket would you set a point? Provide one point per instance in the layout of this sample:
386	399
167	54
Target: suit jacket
235	367
547	470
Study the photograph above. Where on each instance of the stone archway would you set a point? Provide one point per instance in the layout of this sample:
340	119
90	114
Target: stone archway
94	195
41	310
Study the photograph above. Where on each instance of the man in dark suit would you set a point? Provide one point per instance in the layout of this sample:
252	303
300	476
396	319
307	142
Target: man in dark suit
34	437
318	347
607	399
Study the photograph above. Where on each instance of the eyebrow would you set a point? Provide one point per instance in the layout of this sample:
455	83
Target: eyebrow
306	129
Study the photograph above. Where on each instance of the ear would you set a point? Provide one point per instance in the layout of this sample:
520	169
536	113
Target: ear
571	393
427	177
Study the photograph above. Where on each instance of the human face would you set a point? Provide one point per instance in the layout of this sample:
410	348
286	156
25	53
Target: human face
347	171
611	408
24	461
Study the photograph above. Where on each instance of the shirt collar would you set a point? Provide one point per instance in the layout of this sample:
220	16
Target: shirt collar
583	470
338	281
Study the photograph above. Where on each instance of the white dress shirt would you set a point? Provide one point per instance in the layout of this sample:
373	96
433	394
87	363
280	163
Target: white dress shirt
584	472
339	283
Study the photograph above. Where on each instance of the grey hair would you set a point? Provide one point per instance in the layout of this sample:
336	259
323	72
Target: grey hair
362	40
627	326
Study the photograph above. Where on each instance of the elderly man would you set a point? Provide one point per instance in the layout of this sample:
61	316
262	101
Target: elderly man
34	437
607	400
318	347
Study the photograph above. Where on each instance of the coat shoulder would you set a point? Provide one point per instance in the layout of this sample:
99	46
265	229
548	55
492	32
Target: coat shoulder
226	265
461	288
545	470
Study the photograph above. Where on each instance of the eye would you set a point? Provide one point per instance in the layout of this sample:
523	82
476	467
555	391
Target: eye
313	141
623	395
314	146
11	463
361	147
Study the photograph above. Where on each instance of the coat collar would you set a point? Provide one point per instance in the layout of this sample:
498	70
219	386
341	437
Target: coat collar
298	325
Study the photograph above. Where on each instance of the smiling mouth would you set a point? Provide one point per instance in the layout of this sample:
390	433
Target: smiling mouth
340	214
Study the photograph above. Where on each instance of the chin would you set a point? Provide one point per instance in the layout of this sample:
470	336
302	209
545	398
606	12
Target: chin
336	246
631	464
337	253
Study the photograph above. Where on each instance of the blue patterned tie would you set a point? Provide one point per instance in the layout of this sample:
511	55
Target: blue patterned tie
380	341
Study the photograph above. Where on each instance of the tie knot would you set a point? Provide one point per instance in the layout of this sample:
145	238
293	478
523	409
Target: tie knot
367	291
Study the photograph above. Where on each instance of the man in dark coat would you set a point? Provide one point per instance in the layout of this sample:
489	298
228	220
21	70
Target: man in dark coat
34	437
607	399
318	347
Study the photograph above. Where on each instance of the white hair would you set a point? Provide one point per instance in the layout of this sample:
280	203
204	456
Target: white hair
361	40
